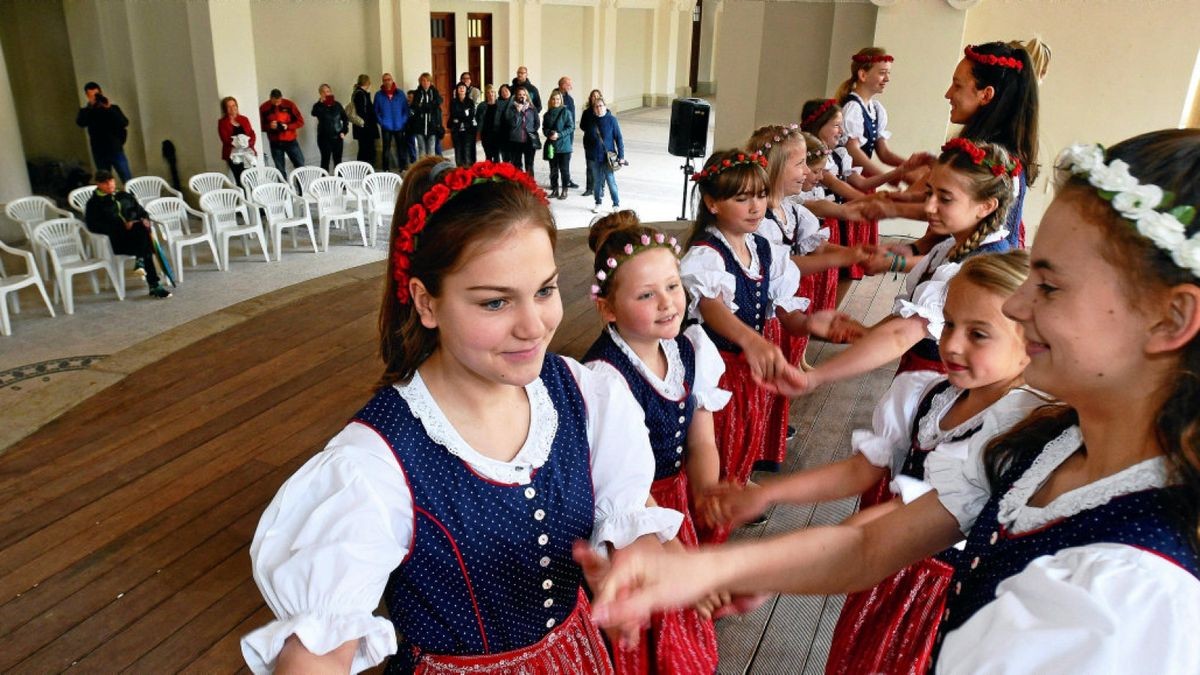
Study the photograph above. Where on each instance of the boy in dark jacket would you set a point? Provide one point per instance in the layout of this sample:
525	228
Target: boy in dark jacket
120	217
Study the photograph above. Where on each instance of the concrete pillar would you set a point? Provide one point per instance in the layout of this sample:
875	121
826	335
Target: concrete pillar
14	176
414	50
600	47
671	47
705	73
381	41
525	44
738	57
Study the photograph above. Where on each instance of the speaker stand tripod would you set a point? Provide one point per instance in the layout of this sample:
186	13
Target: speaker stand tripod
688	170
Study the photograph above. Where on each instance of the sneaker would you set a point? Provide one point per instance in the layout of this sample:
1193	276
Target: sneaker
587	193
157	291
597	209
139	269
563	194
791	432
573	185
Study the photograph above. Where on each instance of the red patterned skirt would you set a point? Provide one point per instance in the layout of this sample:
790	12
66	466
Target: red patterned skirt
855	232
774	447
575	646
677	641
740	427
891	628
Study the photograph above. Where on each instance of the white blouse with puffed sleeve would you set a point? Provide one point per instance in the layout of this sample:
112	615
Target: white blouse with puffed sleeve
853	126
924	292
1099	608
336	530
709	369
704	276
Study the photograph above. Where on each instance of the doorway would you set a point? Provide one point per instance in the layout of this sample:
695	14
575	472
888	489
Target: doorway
479	48
445	76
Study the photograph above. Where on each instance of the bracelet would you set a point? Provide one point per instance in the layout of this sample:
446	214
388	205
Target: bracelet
899	267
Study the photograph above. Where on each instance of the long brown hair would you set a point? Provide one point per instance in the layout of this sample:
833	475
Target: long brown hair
1169	159
733	181
482	212
1011	117
982	184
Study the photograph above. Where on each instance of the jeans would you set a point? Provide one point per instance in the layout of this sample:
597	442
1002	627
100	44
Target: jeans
464	148
605	175
115	161
390	139
521	155
292	150
560	165
331	148
426	144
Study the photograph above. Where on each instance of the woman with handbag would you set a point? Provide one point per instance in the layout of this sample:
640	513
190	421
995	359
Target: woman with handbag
608	150
587	120
523	139
560	135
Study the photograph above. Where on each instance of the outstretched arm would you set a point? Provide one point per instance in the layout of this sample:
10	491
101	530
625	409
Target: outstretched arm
888	340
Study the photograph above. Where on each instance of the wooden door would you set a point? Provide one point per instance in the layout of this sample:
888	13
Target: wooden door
694	66
445	75
479	43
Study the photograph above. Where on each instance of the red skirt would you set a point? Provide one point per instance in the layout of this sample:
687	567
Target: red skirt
826	284
575	646
774	447
740	428
678	641
892	627
857	232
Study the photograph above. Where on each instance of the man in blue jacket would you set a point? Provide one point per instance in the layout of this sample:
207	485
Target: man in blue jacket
391	107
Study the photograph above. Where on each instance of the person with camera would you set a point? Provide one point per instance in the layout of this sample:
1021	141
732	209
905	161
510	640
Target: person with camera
281	119
107	128
523	139
119	216
608	152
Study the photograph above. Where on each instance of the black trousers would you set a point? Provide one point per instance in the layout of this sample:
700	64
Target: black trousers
464	148
560	165
521	155
136	242
366	150
331	148
396	138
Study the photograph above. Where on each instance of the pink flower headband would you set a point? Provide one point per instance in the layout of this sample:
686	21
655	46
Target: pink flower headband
645	243
718	168
993	60
785	132
451	182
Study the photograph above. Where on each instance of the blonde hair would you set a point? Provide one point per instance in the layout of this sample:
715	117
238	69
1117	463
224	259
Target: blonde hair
999	273
774	141
1039	54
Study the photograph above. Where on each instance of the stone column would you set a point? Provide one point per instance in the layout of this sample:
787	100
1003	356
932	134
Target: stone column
14	177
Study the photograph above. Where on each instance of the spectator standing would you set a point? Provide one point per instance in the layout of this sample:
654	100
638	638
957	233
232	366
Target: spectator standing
365	122
504	101
281	119
490	134
522	80
586	122
425	125
604	138
565	85
523	139
107	128
332	125
237	138
120	217
559	126
391	109
463	126
473	92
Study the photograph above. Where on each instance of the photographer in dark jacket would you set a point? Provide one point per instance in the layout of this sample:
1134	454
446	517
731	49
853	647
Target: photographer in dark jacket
120	217
463	126
332	125
365	123
107	129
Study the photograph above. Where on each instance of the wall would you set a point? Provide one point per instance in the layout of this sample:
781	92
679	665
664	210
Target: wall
501	71
633	56
793	70
285	45
562	36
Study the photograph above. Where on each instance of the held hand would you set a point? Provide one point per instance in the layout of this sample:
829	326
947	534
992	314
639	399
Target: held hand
740	604
764	359
916	161
878	263
595	571
872	208
734	505
834	326
791	382
645	580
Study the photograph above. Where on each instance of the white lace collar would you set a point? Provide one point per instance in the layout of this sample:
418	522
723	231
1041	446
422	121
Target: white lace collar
672	387
929	431
543	426
753	269
1016	513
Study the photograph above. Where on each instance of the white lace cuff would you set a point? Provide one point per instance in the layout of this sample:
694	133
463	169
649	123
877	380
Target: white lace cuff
877	450
908	488
710	284
321	633
929	300
622	529
793	303
812	242
713	399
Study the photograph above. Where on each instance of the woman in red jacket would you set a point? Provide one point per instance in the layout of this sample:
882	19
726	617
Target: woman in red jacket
237	138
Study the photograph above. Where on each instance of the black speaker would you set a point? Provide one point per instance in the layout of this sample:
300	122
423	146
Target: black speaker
689	127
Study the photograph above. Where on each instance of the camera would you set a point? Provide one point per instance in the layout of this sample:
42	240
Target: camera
101	99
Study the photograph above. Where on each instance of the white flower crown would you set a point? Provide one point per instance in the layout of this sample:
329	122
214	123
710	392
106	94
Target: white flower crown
1148	206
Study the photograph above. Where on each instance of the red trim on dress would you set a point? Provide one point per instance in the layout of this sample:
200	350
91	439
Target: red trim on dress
463	566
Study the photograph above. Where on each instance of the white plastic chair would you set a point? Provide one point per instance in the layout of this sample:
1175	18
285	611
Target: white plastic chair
11	284
79	197
381	190
101	247
260	175
335	203
203	183
300	178
62	238
171	214
354	173
223	208
284	210
31	212
149	188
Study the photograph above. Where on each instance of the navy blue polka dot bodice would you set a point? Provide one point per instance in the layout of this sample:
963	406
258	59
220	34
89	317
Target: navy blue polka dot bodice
870	124
1145	519
914	463
752	296
489	568
666	419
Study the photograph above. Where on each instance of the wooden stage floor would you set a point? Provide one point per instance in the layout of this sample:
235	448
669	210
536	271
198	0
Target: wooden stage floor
126	523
